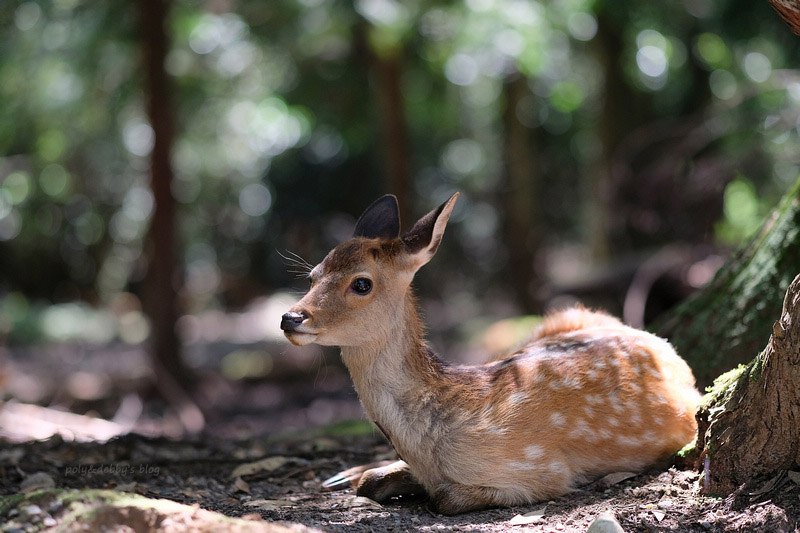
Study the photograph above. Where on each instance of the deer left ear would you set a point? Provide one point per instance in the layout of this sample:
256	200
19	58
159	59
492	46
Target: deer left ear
381	220
423	239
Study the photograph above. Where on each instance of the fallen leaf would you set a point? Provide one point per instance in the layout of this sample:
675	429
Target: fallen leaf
36	481
268	505
126	487
360	502
241	485
659	515
532	517
267	464
772	484
614	478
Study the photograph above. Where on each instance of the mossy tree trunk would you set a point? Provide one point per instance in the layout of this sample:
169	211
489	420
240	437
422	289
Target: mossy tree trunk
750	424
730	321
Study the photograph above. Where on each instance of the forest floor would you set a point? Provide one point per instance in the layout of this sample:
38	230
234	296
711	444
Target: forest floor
134	481
81	449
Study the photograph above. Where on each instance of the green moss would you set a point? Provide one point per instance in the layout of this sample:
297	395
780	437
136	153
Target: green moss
757	367
86	506
688	450
724	385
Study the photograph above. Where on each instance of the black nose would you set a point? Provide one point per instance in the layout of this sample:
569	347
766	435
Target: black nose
289	321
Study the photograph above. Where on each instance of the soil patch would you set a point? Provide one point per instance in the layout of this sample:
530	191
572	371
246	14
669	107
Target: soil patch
273	485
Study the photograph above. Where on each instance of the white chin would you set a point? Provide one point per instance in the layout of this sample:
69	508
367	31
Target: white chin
300	339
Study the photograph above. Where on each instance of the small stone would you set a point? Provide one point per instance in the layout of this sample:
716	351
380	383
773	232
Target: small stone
49	521
605	523
33	510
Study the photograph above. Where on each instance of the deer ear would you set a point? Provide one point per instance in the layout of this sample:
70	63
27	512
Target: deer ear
381	220
422	240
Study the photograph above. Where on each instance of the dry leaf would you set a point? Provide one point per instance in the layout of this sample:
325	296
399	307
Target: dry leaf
769	485
241	485
36	481
528	518
614	478
359	502
268	505
126	487
659	515
267	464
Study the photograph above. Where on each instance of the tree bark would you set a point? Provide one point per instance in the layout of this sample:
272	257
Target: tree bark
789	10
731	319
160	298
523	231
387	69
750	425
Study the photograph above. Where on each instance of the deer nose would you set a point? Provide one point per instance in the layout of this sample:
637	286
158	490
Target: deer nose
290	320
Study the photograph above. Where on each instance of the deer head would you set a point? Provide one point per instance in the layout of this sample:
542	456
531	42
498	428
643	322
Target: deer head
358	291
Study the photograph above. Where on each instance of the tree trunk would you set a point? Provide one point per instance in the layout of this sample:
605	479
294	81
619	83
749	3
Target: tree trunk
730	320
160	298
750	425
523	231
387	69
789	10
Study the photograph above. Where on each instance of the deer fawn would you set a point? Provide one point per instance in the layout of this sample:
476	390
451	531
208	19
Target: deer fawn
585	396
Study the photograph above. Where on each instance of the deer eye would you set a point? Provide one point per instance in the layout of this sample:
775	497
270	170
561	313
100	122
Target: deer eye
361	285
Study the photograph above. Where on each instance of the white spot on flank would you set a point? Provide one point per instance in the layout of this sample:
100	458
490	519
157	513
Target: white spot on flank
518	465
600	364
558	468
655	373
613	422
534	452
581	430
650	436
558	420
589	411
625	440
593	399
517	397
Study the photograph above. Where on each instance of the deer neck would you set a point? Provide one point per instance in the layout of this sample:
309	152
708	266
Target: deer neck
399	381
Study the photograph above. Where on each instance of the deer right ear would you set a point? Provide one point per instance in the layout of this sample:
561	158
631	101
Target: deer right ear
381	220
423	239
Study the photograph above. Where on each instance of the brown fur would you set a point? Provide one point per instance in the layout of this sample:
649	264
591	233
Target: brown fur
585	396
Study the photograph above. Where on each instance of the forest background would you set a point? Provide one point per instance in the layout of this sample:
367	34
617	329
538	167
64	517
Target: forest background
610	153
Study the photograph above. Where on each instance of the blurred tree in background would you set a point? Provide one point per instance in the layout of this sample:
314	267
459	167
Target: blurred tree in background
585	134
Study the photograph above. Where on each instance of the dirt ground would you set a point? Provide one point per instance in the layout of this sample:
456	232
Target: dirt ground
51	485
259	463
